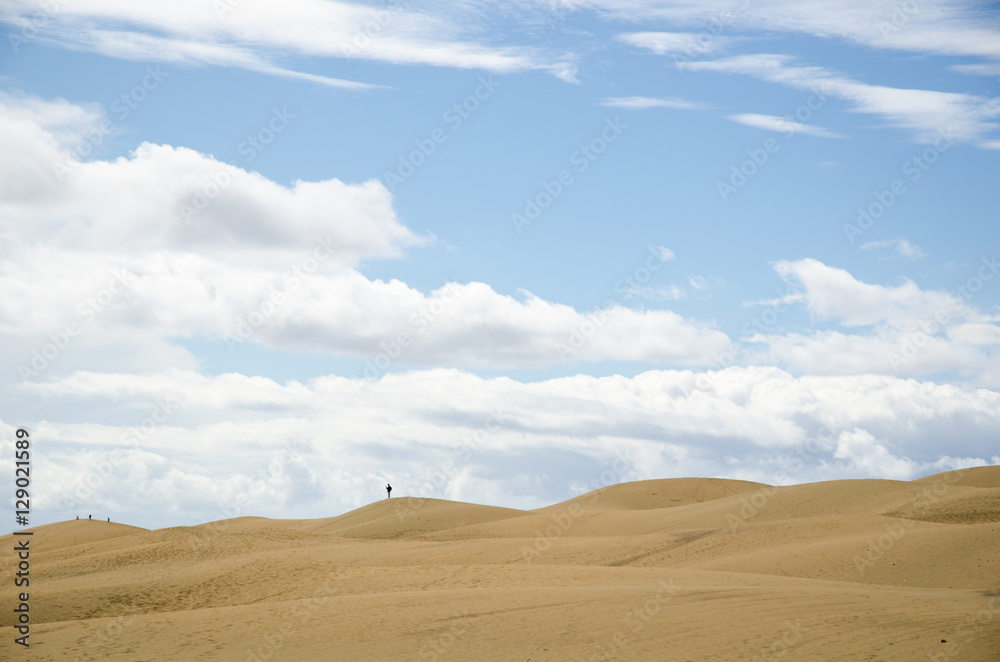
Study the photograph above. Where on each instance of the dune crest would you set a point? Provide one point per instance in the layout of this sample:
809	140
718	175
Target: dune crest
971	477
659	493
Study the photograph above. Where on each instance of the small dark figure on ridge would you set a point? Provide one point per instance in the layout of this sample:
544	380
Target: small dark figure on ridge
388	490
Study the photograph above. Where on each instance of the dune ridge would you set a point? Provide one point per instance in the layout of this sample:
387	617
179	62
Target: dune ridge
709	569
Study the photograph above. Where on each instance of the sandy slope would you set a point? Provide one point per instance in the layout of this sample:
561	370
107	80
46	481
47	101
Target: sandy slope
79	532
686	569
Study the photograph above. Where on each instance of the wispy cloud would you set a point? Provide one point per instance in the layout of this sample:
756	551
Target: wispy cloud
129	45
669	293
664	253
702	287
782	125
982	69
642	103
927	113
686	43
901	247
261	36
942	27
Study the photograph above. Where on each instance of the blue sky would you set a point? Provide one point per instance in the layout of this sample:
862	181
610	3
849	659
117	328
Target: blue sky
325	259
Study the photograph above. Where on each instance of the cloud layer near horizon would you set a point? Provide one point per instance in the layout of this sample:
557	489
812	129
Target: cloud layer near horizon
319	448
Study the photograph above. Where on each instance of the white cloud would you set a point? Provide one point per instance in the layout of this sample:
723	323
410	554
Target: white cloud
698	283
186	51
163	198
975	334
832	293
702	286
933	116
664	253
901	247
869	457
643	103
340	313
257	35
899	330
884	350
690	44
942	27
782	125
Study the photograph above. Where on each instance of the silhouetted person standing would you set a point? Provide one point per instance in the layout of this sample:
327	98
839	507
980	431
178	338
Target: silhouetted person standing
388	490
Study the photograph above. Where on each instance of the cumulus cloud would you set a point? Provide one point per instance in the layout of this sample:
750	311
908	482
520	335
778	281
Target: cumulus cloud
901	329
170	198
871	458
832	293
343	313
169	243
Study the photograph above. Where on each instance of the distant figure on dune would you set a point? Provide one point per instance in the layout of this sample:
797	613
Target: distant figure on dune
90	517
388	490
109	519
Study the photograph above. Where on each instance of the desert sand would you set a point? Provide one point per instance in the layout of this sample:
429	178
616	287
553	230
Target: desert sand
673	569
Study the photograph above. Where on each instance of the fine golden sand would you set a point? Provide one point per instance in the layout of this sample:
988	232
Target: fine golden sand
679	569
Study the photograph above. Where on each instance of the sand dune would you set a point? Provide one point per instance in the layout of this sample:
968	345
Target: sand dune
678	569
79	532
972	477
653	494
404	516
